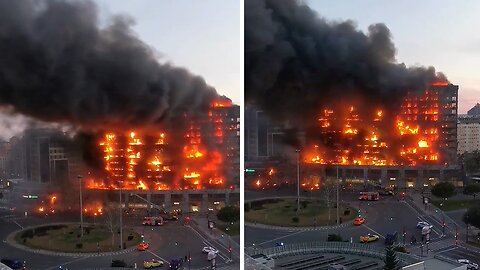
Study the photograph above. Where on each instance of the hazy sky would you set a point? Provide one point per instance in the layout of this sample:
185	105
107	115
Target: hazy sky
435	33
203	36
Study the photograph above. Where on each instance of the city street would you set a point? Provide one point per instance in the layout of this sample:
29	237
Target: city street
171	241
385	216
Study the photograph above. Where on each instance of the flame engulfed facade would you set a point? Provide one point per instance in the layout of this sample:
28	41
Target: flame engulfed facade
423	132
206	157
411	144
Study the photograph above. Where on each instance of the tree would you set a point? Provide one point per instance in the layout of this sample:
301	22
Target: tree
472	190
229	214
471	161
472	216
443	190
391	261
112	219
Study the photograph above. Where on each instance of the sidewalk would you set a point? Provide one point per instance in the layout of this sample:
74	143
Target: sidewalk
318	228
415	200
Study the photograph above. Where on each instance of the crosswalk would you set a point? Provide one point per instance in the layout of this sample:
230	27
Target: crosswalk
437	246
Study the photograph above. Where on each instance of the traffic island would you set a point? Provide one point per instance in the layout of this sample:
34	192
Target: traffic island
282	212
67	238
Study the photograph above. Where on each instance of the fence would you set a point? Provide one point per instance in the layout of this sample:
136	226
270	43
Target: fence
330	247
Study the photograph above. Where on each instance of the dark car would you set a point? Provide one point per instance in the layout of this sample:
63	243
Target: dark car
14	264
391	238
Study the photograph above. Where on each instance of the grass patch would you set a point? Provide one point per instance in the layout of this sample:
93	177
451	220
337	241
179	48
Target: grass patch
67	238
452	205
283	212
228	228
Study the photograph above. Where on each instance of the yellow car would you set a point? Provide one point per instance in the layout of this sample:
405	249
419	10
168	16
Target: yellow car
369	238
153	263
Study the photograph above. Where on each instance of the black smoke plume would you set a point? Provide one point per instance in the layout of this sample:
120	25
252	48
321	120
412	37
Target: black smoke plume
57	64
297	62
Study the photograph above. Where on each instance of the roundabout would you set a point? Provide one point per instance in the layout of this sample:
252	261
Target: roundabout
66	239
282	212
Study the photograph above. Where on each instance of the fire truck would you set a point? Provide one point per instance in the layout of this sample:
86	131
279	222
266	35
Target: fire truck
152	221
369	196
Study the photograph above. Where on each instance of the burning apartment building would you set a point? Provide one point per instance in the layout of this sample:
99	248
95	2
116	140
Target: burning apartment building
204	156
339	96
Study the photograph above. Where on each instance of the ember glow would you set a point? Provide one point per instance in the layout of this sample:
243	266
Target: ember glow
352	138
138	161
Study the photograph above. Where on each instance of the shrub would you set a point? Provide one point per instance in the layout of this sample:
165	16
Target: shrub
118	263
79	245
400	249
229	214
27	234
304	204
334	238
295	219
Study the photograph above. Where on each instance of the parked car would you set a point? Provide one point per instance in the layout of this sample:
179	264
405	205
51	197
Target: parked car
15	264
470	265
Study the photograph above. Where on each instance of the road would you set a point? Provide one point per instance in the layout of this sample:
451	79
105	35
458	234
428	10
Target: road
387	215
173	240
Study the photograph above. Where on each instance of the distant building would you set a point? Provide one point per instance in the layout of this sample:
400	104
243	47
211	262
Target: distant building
468	129
475	110
41	156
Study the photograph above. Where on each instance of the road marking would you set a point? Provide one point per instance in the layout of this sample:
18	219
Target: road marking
379	234
439	252
278	238
69	262
21	227
158	256
224	257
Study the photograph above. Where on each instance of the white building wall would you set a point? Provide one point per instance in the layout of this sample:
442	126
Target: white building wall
468	137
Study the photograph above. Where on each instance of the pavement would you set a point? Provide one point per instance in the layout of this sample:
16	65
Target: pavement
173	240
385	216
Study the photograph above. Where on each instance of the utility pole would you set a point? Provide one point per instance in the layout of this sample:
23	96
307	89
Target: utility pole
456	234
81	205
443	223
338	206
298	179
121	220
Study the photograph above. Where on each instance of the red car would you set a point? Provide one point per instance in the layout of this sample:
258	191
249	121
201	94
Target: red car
358	221
143	246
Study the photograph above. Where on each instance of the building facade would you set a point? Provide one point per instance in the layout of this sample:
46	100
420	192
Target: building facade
468	129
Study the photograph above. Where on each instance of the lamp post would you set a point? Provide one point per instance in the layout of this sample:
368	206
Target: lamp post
81	205
298	179
121	220
338	206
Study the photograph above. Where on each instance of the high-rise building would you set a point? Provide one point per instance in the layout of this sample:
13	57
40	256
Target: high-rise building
41	155
468	130
475	110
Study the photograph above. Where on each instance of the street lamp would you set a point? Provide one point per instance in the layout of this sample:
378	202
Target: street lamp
81	205
298	179
121	221
338	206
